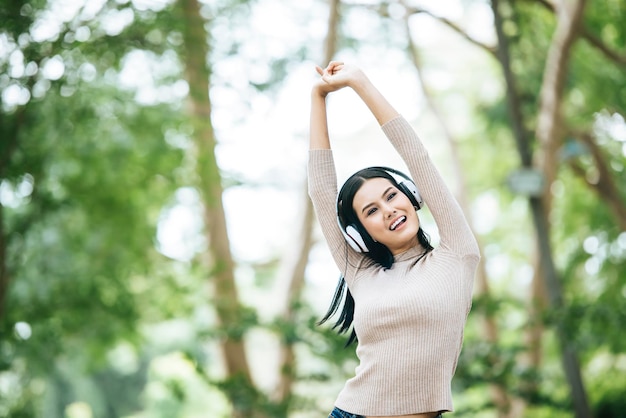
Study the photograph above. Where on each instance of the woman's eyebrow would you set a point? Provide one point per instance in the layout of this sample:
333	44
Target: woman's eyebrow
372	203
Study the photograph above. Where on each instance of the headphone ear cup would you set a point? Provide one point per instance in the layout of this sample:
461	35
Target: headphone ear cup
354	238
410	189
350	233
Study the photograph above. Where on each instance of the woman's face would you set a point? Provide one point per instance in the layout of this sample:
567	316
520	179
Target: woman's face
387	214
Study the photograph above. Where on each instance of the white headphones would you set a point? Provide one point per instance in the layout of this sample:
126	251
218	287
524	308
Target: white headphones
351	232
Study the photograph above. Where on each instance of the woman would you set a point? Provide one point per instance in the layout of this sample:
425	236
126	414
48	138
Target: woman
409	301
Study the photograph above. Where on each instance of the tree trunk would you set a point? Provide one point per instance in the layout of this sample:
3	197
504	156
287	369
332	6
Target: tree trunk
304	241
522	141
548	131
226	298
293	297
550	137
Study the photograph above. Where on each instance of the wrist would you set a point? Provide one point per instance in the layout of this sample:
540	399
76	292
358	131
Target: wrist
318	93
360	81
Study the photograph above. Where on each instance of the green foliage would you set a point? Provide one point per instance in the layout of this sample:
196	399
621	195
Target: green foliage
95	314
247	399
610	400
324	342
245	319
100	172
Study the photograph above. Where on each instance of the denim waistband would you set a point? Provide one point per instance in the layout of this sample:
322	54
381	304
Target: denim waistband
339	413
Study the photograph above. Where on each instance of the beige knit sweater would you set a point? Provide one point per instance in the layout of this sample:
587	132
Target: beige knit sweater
409	319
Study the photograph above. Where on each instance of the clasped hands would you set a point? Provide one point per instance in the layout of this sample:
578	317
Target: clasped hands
335	76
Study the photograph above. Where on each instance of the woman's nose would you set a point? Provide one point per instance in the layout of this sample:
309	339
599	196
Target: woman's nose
389	211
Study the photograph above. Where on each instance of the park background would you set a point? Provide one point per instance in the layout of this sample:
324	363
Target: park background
158	253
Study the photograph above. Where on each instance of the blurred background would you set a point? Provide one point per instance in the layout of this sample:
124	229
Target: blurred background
158	253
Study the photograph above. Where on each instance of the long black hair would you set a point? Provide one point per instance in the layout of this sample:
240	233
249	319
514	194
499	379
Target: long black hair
377	253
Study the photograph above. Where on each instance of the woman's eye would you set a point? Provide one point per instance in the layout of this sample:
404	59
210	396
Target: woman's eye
391	195
371	211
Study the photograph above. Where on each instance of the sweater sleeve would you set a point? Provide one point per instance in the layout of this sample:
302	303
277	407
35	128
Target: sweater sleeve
454	231
322	183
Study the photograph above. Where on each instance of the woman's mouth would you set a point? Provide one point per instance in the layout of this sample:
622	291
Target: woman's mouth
397	223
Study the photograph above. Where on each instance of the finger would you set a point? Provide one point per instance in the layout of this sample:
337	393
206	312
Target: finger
319	70
334	63
337	68
331	66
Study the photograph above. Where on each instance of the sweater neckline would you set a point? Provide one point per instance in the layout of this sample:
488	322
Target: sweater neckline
411	253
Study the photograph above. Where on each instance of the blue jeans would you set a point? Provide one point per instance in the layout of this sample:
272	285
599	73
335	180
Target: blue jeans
338	413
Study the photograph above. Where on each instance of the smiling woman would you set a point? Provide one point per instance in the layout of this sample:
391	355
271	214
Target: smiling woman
384	207
407	301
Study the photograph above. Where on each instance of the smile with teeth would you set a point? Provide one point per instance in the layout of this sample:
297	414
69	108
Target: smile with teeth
397	222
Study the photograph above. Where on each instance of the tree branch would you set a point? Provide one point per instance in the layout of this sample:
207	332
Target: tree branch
411	10
605	185
383	10
586	34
